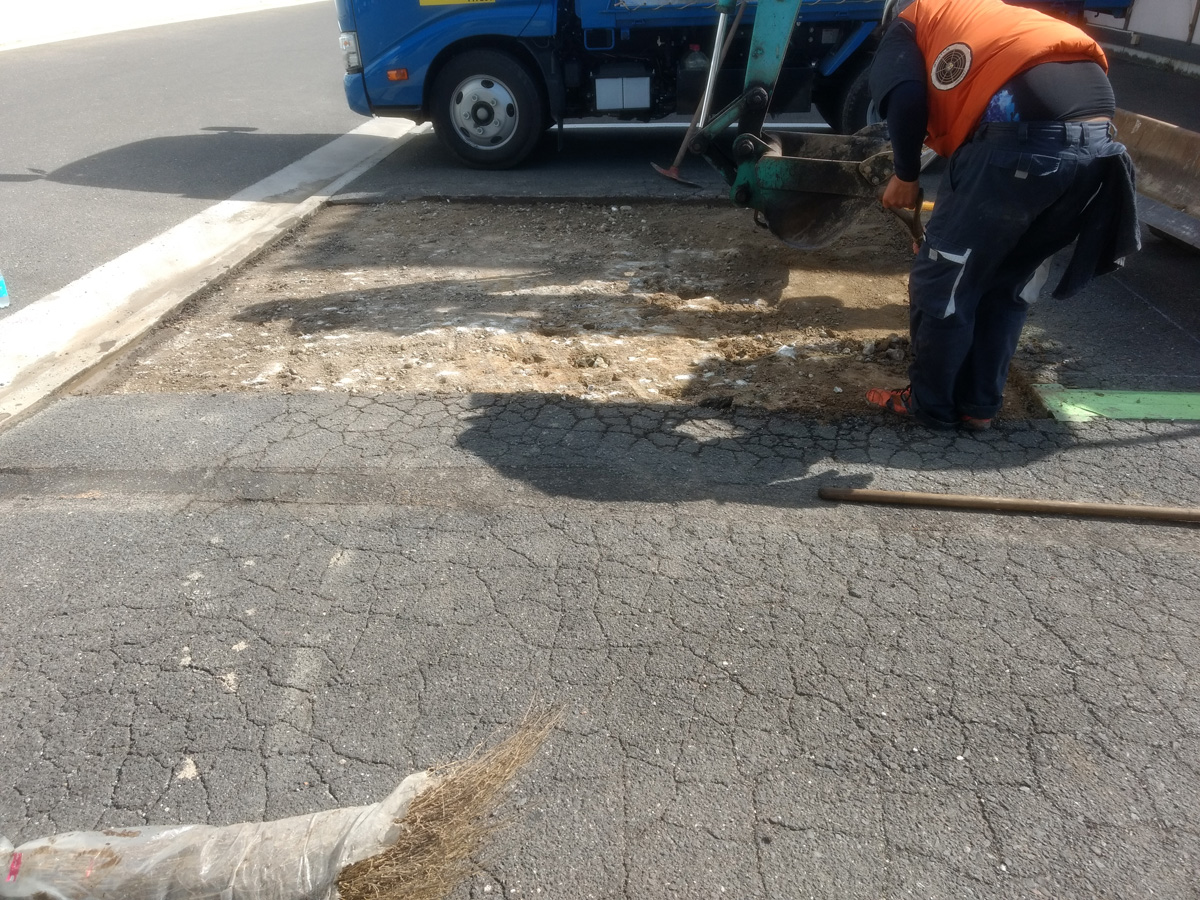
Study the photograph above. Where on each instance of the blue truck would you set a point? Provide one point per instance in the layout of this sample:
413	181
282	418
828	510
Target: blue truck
494	75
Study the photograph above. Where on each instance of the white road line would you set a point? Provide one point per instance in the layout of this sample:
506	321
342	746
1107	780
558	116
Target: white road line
68	332
24	24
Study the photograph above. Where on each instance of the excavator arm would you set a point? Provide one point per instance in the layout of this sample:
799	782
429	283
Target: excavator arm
807	188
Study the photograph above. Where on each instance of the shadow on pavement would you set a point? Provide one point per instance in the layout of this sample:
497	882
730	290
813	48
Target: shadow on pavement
671	453
617	159
642	453
388	310
633	452
210	166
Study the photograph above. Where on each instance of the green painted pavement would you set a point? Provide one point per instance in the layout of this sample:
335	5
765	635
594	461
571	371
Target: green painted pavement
1082	406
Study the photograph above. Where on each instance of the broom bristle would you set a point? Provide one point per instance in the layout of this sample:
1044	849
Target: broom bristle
446	824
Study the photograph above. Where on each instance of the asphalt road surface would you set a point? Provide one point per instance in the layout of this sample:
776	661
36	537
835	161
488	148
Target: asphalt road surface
110	140
224	608
1155	92
217	608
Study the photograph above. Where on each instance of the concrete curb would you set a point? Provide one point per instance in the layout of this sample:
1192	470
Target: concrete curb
73	330
1167	159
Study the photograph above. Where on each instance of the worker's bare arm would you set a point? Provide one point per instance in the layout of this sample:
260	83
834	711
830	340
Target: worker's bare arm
901	194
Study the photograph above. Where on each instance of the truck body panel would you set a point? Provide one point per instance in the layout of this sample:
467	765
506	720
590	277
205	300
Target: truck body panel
528	63
410	35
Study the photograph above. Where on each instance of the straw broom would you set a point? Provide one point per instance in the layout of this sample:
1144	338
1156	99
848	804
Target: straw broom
447	824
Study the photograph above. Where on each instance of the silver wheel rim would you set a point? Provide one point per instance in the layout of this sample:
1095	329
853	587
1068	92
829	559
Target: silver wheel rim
484	112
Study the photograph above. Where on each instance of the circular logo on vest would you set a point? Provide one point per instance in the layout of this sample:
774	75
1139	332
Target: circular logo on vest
951	66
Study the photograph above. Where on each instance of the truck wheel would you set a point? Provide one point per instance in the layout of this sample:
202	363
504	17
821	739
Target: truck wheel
855	109
487	109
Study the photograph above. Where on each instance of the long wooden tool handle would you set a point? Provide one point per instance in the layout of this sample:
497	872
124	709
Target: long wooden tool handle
1011	504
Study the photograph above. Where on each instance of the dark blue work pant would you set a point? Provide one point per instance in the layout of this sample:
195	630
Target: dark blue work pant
1010	198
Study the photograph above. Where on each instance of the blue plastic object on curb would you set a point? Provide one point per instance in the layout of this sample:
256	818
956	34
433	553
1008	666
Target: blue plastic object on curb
3	292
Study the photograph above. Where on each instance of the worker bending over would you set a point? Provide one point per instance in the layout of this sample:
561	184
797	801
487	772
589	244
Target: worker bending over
1021	105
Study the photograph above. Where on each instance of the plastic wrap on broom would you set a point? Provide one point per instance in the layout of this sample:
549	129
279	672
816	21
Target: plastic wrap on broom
290	859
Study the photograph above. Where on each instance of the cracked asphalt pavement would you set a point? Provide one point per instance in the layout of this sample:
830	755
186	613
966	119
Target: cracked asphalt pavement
221	608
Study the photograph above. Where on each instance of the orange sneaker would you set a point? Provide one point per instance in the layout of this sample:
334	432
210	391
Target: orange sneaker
898	400
971	423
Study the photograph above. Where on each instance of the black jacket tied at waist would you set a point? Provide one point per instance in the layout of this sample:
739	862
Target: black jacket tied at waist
1109	231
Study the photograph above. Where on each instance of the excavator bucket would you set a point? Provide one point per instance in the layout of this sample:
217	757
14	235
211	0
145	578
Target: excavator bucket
810	221
809	188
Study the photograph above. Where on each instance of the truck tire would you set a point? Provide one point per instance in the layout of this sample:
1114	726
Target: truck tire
854	109
487	109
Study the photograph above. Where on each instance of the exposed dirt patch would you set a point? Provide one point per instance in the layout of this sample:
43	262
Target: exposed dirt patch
633	302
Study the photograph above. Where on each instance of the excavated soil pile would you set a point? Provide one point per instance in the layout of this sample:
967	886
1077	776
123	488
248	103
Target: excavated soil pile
647	302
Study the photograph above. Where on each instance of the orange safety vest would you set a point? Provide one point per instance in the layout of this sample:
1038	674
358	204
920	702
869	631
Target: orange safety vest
973	47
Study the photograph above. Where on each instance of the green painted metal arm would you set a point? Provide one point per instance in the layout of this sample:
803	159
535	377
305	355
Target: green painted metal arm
806	188
773	24
774	21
